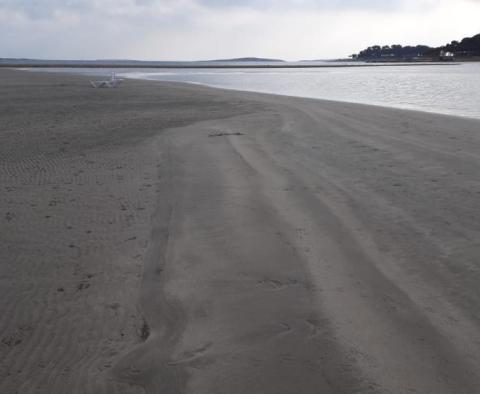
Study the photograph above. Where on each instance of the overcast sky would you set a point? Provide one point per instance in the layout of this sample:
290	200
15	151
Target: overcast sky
211	29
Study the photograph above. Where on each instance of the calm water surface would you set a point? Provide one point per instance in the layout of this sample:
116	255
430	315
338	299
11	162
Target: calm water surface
452	89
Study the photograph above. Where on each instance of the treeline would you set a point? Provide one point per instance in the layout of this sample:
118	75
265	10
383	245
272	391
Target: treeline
468	47
394	51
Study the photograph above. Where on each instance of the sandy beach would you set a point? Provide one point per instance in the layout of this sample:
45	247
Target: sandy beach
172	238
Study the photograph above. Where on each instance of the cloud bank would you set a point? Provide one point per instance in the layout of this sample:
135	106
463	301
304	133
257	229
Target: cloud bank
203	29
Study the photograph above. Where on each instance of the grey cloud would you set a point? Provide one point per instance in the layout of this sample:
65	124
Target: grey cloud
298	4
44	8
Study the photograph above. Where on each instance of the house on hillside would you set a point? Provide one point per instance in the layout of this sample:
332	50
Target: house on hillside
446	56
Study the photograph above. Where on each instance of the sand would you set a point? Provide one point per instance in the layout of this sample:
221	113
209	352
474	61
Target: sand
168	238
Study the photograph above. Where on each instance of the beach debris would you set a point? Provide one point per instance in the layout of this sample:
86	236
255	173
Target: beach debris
145	331
112	83
223	134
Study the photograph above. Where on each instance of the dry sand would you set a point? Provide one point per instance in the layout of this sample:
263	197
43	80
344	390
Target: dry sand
169	238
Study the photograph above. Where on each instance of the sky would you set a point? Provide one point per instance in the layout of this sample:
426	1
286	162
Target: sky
219	29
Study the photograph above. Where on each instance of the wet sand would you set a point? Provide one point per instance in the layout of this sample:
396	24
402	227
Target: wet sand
168	238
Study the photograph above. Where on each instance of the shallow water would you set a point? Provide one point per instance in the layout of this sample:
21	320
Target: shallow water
447	89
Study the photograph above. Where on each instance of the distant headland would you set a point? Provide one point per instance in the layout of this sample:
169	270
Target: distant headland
468	49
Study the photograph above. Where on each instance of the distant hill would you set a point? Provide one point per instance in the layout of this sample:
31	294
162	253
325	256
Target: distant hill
468	47
247	59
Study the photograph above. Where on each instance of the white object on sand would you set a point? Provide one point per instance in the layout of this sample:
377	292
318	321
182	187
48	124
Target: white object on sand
112	83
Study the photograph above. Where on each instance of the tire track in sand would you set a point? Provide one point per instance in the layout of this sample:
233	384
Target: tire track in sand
148	365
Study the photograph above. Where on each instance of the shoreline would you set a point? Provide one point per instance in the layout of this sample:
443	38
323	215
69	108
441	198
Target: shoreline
372	106
213	240
405	107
